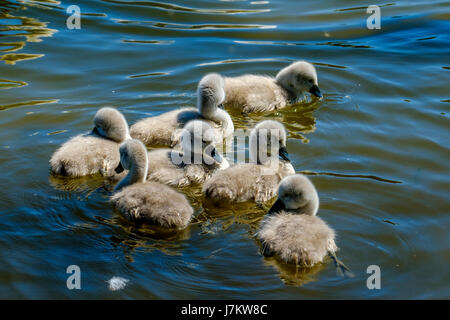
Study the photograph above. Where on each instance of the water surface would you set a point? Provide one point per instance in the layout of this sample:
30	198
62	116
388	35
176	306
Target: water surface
376	146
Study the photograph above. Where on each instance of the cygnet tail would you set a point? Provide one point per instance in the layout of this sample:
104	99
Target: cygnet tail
341	269
58	167
218	192
267	251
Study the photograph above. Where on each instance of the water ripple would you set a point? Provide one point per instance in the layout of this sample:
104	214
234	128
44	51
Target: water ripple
26	103
12	46
344	45
179	26
148	41
174	7
273	43
363	7
239	61
20	26
363	176
153	74
12	58
8	84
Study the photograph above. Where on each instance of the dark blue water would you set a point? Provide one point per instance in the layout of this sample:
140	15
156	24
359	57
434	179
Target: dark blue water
376	146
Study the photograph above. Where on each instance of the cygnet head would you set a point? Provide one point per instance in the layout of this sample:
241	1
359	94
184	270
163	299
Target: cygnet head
210	94
133	157
111	124
298	78
296	193
267	140
198	138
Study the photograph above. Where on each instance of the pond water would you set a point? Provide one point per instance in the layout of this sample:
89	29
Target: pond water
376	146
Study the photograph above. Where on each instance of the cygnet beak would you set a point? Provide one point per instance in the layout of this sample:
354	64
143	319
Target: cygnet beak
283	153
95	131
315	91
277	207
216	156
119	168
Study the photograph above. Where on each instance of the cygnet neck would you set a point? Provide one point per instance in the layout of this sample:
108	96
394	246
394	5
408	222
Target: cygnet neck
136	174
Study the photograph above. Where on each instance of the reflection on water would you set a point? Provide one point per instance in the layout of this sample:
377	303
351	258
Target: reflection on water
153	74
173	7
13	27
12	58
149	41
179	26
145	239
298	119
11	46
344	45
141	237
363	176
79	185
8	84
238	61
293	275
26	103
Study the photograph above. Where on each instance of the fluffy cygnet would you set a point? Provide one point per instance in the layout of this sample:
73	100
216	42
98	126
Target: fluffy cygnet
96	152
256	181
144	201
254	93
165	129
292	231
196	162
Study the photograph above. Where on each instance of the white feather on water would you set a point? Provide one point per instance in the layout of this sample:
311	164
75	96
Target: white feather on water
117	283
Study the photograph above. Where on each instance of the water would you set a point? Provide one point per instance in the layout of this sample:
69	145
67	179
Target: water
376	146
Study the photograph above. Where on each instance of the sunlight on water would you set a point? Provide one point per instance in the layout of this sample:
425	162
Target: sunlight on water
20	26
8	84
180	26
